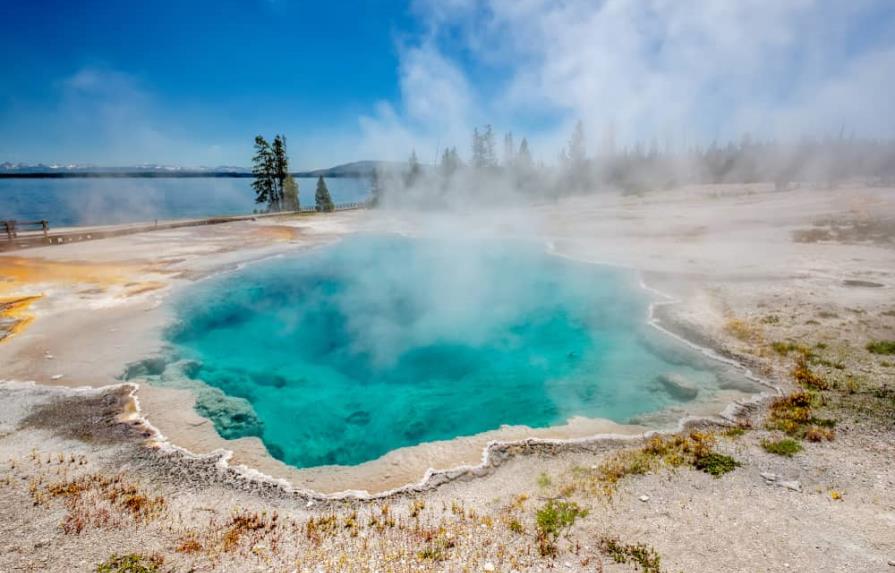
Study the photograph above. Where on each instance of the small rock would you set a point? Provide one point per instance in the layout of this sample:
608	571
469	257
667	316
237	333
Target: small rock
793	485
488	566
56	376
48	356
769	476
891	562
644	498
310	504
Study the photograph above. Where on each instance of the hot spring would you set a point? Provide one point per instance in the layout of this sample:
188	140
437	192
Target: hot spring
340	354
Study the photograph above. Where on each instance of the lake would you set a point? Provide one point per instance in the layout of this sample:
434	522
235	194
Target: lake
99	201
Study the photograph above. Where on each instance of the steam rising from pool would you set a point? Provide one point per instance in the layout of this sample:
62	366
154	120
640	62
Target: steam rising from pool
342	354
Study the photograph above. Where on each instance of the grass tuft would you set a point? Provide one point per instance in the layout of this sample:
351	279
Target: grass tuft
881	347
551	520
642	556
133	563
786	447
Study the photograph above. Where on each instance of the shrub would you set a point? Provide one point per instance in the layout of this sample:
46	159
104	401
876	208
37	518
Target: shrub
133	563
552	519
641	555
819	434
716	464
805	378
790	414
786	447
881	347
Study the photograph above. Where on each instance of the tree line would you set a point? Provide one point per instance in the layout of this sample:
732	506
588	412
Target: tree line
637	168
274	186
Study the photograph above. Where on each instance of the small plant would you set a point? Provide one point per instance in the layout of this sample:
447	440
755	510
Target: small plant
188	544
642	556
743	330
417	507
515	526
790	413
552	519
716	464
806	378
544	480
786	447
133	563
819	434
881	347
437	548
734	432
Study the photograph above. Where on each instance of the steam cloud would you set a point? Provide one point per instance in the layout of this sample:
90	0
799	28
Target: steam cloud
684	73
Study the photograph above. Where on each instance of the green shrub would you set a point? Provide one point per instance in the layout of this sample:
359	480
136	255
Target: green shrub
881	347
552	519
133	563
786	447
716	464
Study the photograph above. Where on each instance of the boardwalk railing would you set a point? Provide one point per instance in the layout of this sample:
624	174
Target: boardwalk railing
21	235
13	228
339	207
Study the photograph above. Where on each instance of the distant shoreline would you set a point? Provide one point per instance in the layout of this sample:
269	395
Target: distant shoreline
165	175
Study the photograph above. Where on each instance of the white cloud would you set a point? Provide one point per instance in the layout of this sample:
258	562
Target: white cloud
684	70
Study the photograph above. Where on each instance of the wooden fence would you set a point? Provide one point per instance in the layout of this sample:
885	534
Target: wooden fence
13	228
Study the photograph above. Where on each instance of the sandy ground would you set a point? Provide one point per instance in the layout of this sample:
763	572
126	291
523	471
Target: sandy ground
749	266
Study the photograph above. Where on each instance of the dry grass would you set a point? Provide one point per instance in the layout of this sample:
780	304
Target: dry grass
99	501
744	330
694	450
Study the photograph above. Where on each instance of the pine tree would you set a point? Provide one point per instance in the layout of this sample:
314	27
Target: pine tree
375	188
263	169
509	150
577	151
280	171
291	201
413	170
488	152
523	158
478	151
450	162
323	201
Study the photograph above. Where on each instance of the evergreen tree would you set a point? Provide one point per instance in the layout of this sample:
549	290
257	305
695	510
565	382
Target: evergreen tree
291	201
375	188
489	154
483	154
523	158
413	170
478	151
577	151
509	150
450	162
263	170
322	200
280	171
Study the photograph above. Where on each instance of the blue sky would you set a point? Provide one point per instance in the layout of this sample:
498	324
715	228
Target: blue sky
191	82
190	70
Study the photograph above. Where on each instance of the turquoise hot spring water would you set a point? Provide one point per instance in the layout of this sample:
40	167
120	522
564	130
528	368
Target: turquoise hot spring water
342	353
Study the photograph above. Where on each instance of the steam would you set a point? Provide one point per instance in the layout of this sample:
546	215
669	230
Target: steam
683	73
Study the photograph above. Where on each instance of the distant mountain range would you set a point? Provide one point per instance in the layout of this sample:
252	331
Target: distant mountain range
41	170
